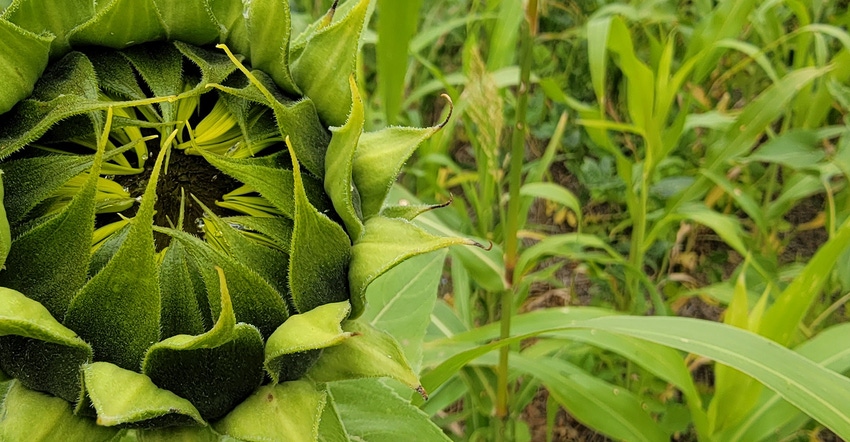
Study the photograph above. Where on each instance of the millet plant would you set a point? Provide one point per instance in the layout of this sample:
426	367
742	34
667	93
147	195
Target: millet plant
191	216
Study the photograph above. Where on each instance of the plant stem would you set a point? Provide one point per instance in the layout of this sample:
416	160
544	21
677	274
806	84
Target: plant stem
528	31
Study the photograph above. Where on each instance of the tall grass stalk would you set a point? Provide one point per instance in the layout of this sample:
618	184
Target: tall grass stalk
528	32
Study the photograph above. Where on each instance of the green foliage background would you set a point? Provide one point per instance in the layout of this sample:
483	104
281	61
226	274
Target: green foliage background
677	159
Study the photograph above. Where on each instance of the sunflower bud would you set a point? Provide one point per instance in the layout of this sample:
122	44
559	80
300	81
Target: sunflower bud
192	213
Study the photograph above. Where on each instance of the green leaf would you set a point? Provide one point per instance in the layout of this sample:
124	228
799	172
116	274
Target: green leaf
254	300
726	226
781	320
269	29
215	66
338	166
292	348
29	181
331	428
118	310
276	229
385	243
266	261
771	412
555	193
334	45
288	411
37	349
5	233
215	370
50	262
191	22
396	26
319	258
797	150
299	121
119	24
265	175
368	353
161	68
609	409
125	397
30	416
400	302
378	161
67	88
181	311
180	434
64	16
371	411
23	57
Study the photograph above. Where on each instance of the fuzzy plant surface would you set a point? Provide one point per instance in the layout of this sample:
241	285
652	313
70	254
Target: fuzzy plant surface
191	215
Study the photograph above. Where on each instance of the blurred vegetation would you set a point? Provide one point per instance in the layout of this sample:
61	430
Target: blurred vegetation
664	159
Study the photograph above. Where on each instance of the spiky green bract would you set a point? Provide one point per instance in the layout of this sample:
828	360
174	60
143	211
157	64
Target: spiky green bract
112	303
215	370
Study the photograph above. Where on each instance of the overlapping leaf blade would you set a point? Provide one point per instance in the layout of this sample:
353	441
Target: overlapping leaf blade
39	350
295	345
339	163
122	396
37	417
118	310
334	45
216	370
23	57
254	300
268	26
319	258
384	243
292	409
369	353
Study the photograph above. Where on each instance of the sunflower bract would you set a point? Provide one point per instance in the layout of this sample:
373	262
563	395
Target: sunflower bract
191	216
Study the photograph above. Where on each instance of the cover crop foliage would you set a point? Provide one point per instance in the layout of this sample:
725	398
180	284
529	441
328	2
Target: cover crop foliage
192	215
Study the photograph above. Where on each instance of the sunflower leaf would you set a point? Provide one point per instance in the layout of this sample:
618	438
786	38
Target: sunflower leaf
265	176
334	45
181	311
269	263
268	25
338	165
161	67
385	243
50	262
288	411
378	161
23	57
122	396
118	309
120	23
37	417
39	350
214	66
64	16
67	88
290	348
5	232
320	253
215	370
190	22
369	353
254	300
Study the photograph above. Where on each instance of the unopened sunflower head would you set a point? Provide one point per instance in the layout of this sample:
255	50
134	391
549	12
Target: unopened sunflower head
192	214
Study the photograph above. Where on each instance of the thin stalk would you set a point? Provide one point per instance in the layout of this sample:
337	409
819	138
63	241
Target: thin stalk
528	32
